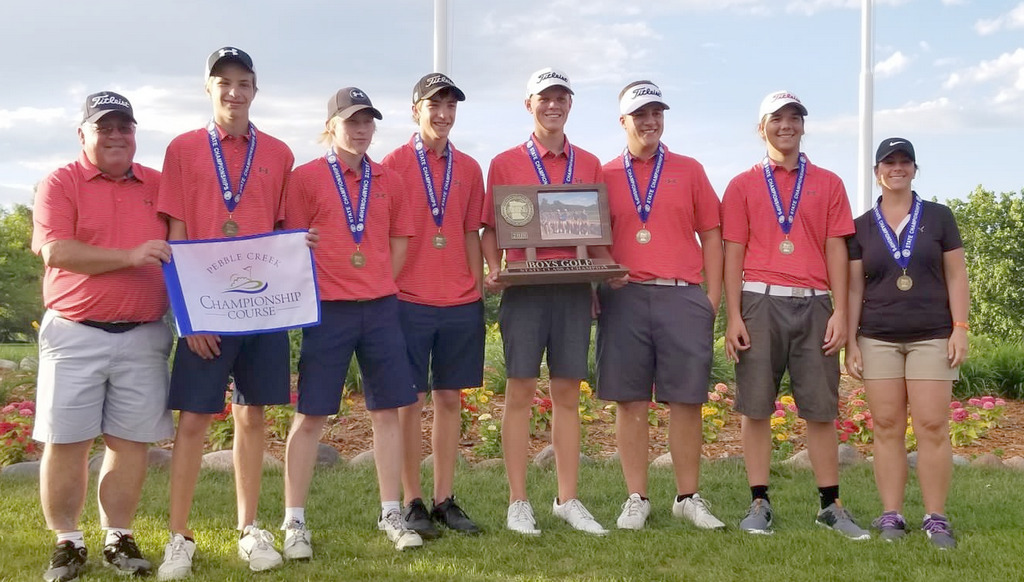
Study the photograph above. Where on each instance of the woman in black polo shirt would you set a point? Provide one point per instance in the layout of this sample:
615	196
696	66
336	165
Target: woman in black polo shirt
908	303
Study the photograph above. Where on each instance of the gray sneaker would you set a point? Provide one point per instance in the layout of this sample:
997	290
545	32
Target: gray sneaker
836	517
890	525
939	531
758	519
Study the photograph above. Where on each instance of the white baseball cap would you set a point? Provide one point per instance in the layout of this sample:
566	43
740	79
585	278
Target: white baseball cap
777	100
545	78
638	94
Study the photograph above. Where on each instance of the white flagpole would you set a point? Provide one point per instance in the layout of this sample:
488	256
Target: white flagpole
867	88
441	36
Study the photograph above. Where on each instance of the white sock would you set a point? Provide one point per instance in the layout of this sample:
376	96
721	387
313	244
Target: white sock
387	506
112	534
294	514
76	537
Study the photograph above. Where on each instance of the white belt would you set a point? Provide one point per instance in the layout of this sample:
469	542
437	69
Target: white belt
781	290
665	282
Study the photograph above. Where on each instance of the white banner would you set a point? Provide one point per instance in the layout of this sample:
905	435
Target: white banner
243	285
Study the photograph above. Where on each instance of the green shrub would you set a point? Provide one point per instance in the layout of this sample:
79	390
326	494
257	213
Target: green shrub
992	368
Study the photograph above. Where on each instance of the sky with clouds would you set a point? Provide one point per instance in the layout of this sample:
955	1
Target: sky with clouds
949	75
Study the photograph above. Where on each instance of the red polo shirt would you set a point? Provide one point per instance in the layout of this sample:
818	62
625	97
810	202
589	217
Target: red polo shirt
313	201
685	204
432	276
514	168
78	202
190	189
748	218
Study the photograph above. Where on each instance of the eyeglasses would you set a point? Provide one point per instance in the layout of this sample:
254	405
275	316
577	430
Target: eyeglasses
108	130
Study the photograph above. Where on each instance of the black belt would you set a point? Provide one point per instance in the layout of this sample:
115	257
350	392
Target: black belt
114	326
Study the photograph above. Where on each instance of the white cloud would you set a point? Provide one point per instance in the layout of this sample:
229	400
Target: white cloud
1011	20
892	66
1006	72
33	116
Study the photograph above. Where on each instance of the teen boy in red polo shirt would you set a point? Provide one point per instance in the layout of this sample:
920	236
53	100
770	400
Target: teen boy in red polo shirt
439	291
654	335
102	345
358	206
784	222
204	199
539	318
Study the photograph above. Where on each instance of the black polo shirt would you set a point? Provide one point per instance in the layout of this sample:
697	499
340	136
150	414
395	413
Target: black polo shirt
922	313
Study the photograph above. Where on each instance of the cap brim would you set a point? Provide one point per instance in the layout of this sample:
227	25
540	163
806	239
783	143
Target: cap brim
540	90
637	106
353	109
229	59
459	95
101	114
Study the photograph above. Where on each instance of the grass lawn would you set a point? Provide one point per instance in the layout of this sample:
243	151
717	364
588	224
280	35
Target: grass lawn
983	505
15	352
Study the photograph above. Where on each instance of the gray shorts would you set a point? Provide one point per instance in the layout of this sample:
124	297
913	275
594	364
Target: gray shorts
656	340
93	382
552	318
787	333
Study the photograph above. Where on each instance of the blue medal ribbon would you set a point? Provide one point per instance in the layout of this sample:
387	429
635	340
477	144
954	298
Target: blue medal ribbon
785	220
356	222
902	256
436	209
538	165
644	209
231	200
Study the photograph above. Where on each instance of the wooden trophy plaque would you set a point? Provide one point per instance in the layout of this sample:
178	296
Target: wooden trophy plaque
542	216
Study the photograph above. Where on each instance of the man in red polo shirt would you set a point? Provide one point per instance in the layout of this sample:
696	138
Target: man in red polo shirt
535	319
654	335
224	180
102	345
440	296
784	222
360	207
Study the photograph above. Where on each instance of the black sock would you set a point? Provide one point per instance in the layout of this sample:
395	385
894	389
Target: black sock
680	498
828	495
759	492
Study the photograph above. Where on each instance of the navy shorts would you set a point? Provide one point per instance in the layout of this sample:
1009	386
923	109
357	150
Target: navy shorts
654	340
445	344
551	318
371	330
260	364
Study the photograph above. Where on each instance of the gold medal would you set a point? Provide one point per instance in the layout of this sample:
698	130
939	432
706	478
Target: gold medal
904	282
643	236
229	228
786	247
440	241
358	260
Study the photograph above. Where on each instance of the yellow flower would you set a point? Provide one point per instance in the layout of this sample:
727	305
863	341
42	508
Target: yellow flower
484	416
781	437
482	398
706	411
777	421
787	400
35	325
585	388
718	422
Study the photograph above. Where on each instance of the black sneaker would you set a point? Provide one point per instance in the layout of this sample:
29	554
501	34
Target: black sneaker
124	557
416	518
449	514
66	563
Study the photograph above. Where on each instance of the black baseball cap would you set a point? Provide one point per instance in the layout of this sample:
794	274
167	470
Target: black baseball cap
348	101
228	54
430	84
892	145
99	104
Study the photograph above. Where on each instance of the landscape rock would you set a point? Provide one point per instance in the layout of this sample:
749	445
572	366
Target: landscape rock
327	456
545	459
987	460
26	470
1016	463
849	456
223	461
960	461
912	459
363	458
491	463
29	363
614	458
800	460
664	460
428	461
8	365
157	458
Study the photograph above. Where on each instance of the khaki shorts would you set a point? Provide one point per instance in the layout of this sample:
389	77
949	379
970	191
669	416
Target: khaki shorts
920	360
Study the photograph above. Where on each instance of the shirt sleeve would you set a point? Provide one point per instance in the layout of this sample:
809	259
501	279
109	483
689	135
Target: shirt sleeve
476	195
735	224
853	246
487	212
707	208
950	231
53	211
401	221
297	213
170	200
840	216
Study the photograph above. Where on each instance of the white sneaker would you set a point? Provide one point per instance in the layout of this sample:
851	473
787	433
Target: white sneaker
177	562
520	518
634	512
697	511
573	512
394	527
297	541
256	546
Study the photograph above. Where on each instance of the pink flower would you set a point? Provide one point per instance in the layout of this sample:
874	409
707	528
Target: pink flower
960	415
870	424
791	407
779	405
858	403
955	404
1000	402
779	413
25	412
8	408
988	405
858	417
975	416
988	399
974	401
844	437
721	388
714	396
729	401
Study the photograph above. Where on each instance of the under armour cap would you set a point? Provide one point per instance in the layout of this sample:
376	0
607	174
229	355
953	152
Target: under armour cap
545	78
228	54
638	94
892	145
99	104
777	100
430	84
348	101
